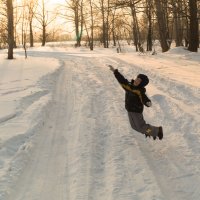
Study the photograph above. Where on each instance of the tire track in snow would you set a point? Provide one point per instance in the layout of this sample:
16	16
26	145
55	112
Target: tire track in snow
44	177
105	157
175	160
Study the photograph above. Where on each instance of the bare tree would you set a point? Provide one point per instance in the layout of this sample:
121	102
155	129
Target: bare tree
136	29
44	18
104	24
79	19
194	35
132	4
177	8
24	23
162	24
186	34
113	23
75	10
32	6
3	25
107	20
92	27
10	28
149	13
91	35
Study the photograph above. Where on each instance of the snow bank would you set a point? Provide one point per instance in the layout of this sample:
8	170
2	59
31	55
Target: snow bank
25	91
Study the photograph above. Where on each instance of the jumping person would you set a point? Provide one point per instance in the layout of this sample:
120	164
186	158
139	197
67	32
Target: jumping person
135	99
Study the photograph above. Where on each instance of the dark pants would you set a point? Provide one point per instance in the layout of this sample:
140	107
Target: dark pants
137	123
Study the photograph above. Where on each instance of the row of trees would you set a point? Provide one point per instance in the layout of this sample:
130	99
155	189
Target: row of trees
20	20
140	21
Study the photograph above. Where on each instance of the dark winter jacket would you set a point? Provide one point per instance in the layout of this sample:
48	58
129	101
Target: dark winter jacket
135	97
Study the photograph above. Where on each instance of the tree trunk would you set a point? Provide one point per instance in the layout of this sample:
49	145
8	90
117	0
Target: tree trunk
186	24
194	35
107	24
31	34
177	24
43	35
43	24
10	28
77	25
81	21
136	32
92	28
149	35
32	5
78	13
103	24
163	32
135	37
113	29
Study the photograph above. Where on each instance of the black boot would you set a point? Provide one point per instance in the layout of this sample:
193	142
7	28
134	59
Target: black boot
160	133
146	135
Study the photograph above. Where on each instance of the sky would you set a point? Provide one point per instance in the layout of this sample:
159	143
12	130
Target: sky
55	2
66	25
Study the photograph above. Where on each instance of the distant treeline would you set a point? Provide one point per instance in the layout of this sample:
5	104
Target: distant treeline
137	21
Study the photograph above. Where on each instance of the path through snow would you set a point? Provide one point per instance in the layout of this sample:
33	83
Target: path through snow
87	150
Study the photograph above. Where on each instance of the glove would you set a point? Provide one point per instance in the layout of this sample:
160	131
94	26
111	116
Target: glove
149	104
111	68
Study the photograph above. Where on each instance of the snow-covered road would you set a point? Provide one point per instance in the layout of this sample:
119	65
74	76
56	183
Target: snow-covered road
86	149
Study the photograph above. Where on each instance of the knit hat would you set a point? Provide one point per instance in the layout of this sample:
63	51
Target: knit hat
144	78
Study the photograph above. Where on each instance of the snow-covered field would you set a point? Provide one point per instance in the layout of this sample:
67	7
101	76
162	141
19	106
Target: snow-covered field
64	132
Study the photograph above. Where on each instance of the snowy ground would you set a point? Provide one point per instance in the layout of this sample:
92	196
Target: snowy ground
64	132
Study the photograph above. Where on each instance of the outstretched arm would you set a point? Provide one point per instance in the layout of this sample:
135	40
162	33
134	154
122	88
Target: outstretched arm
118	76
